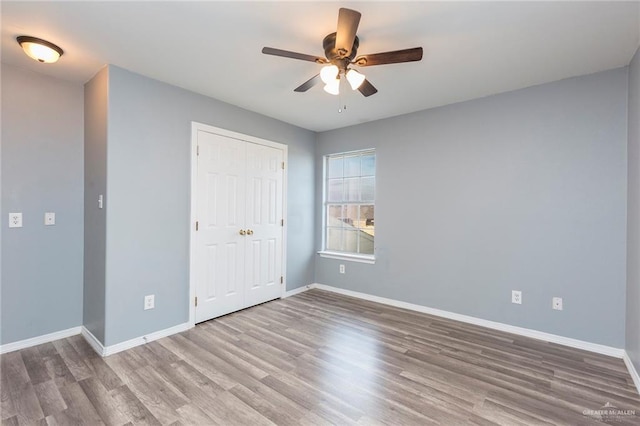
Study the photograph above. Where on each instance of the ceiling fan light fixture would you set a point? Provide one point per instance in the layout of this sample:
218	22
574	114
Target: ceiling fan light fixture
355	79
340	49
333	87
40	50
329	73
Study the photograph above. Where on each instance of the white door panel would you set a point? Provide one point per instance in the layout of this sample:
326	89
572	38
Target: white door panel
221	203
239	188
264	205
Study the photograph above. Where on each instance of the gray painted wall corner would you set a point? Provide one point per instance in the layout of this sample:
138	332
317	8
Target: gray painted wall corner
96	103
42	149
524	190
148	179
633	215
301	213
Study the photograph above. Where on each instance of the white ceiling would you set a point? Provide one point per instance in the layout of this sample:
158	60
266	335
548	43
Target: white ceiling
471	49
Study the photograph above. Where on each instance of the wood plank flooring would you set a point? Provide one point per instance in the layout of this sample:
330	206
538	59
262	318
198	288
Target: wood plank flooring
318	358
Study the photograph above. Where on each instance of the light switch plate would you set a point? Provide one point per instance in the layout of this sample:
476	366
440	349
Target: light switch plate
49	218
15	220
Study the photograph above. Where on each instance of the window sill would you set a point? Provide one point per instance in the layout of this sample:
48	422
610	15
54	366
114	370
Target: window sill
349	257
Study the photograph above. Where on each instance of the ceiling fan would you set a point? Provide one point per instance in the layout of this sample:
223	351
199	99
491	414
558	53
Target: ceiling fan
340	49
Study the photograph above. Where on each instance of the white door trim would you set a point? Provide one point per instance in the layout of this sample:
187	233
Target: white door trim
195	127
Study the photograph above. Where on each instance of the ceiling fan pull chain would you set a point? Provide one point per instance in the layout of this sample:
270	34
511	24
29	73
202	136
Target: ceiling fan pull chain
344	105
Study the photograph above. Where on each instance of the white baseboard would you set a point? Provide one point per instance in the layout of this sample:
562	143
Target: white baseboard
132	343
297	291
38	340
547	337
632	371
93	341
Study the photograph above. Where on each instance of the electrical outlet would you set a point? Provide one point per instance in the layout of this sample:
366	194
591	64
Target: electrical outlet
556	303
149	302
342	269
49	218
516	297
15	220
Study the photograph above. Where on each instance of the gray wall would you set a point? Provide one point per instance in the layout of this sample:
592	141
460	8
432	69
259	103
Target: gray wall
95	184
42	150
633	215
148	181
524	190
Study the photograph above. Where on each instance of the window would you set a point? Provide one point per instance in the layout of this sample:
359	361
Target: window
349	202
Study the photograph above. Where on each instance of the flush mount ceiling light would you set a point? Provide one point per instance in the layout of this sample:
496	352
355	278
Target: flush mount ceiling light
40	50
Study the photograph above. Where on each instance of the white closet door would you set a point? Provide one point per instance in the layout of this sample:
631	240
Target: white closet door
239	242
221	206
263	219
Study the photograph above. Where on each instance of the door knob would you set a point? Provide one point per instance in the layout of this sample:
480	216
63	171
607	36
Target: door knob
243	232
249	232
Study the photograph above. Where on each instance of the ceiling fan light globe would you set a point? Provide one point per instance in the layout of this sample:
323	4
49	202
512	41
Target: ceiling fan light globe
329	73
333	87
355	79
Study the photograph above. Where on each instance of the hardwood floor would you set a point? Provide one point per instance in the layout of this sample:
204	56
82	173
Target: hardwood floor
318	358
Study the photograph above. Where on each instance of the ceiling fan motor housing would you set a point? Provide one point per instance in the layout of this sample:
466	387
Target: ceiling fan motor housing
340	59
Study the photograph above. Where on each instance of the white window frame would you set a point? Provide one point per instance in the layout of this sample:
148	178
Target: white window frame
330	254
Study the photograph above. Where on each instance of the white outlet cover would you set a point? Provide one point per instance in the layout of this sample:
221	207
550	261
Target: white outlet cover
516	297
49	218
15	220
556	303
342	269
149	302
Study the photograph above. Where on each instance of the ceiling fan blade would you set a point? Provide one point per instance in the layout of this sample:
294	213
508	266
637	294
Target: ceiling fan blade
308	84
395	57
367	88
348	21
293	55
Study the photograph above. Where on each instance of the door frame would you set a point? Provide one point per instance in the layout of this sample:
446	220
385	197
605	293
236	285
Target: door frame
195	127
